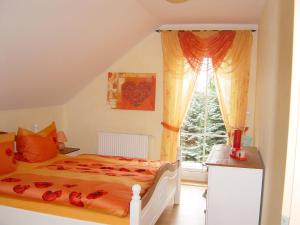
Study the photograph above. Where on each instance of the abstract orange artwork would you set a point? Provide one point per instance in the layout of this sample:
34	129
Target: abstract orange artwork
133	91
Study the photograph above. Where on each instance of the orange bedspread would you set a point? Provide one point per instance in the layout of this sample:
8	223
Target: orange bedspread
93	182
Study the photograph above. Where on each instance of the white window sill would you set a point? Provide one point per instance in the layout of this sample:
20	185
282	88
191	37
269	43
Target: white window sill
194	172
192	166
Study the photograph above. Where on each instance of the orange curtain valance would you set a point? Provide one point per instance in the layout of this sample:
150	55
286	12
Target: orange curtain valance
196	48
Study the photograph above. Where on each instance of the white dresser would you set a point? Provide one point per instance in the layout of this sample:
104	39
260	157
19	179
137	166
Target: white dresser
234	188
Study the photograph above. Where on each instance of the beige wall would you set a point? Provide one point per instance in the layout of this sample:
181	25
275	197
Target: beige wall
10	120
88	112
272	101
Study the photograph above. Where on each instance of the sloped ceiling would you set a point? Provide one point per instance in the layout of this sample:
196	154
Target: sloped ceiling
50	49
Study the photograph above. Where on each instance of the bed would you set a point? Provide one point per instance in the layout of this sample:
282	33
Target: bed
143	211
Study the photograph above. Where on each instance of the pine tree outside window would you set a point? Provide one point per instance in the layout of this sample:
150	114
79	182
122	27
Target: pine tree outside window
203	125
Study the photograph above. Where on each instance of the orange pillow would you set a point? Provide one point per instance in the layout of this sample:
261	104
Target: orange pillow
49	131
7	162
37	147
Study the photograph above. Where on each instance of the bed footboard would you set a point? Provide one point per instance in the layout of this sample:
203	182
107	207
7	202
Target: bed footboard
148	210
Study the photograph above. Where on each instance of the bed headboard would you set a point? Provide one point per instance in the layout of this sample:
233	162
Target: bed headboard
121	144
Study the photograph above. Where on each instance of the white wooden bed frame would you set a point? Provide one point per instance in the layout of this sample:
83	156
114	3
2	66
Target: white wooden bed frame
167	189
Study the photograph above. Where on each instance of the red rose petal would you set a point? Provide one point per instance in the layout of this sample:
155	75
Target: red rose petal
140	170
96	164
82	168
75	199
96	194
42	184
148	172
106	168
70	185
60	168
50	196
58	193
124	158
111	174
11	179
8	152
70	162
128	175
20	157
124	170
83	165
88	171
19	189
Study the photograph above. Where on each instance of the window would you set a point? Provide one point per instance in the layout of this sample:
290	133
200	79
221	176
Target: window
203	125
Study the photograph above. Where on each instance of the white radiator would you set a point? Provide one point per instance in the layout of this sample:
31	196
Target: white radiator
119	144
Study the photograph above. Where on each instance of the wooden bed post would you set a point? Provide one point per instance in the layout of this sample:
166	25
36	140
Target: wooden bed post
135	205
178	188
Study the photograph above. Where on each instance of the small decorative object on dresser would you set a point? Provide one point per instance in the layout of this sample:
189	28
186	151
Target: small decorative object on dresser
237	152
234	187
61	139
68	150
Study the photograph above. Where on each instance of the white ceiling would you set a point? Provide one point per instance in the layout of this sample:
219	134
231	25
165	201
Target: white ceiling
205	11
50	49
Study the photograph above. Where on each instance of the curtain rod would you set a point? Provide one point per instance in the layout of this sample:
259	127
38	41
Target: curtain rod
158	30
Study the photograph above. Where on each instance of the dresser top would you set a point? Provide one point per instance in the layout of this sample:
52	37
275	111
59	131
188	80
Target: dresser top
219	156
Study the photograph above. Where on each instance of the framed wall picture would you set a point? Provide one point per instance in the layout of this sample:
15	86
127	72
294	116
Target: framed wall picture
132	91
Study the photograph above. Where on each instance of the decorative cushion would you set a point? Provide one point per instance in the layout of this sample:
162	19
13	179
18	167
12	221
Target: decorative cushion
37	147
7	161
49	131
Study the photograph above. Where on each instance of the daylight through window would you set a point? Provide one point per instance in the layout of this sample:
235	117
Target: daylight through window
203	125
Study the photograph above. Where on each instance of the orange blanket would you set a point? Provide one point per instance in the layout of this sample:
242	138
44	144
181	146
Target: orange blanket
94	182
